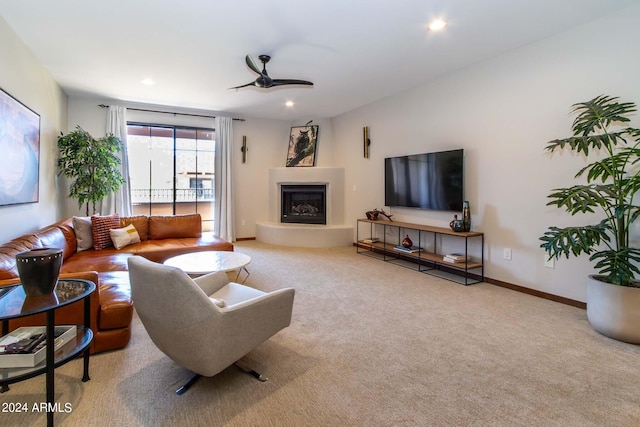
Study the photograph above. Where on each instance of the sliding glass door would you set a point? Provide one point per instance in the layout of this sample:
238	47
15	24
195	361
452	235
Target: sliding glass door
172	170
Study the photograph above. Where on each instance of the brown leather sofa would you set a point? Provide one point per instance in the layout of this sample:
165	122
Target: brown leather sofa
111	306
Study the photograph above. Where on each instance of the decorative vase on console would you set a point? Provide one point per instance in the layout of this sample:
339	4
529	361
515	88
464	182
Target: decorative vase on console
39	270
406	242
466	216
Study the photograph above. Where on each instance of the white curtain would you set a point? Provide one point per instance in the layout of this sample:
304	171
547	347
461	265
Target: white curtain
224	226
121	200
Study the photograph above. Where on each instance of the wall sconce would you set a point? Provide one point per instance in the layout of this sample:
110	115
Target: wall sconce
244	149
367	142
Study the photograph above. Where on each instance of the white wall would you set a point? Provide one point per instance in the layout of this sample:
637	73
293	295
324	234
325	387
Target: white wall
267	141
502	112
22	76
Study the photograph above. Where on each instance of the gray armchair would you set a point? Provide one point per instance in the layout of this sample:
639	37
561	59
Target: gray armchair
208	323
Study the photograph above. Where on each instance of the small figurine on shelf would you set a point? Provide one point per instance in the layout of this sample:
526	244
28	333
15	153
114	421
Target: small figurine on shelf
406	242
457	224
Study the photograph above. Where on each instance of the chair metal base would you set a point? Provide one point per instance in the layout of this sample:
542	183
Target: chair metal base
196	377
257	375
189	383
251	372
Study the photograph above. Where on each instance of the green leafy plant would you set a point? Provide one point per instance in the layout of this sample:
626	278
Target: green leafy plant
612	182
93	164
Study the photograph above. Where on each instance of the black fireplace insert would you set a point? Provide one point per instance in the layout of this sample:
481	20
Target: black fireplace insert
304	204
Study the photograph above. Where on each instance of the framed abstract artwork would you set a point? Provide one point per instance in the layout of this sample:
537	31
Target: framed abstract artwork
20	145
303	142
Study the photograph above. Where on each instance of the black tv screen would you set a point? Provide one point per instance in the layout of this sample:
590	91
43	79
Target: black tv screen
425	181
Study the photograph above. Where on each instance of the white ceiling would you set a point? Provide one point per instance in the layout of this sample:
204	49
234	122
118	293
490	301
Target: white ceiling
355	51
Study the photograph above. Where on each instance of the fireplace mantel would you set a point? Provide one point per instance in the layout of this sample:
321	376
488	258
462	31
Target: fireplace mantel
334	233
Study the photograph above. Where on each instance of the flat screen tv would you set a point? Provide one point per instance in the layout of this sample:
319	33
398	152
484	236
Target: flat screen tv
425	181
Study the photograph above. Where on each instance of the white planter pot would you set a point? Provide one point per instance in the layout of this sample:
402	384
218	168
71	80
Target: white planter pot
613	310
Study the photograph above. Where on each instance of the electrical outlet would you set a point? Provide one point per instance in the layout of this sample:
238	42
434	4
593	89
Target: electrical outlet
550	263
243	222
507	254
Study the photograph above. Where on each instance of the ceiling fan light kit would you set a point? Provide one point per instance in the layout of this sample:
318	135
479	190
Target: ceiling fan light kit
264	80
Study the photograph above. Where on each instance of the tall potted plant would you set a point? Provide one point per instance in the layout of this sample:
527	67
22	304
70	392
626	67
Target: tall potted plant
93	165
612	180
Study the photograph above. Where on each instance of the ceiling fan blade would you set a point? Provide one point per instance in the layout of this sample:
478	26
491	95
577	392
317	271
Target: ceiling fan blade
248	84
282	82
264	80
252	64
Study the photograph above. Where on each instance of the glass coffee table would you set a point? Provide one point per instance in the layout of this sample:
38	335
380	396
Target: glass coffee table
199	263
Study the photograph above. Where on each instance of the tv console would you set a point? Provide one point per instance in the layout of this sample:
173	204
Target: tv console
379	239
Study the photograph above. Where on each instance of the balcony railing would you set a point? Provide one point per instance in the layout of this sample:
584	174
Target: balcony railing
165	195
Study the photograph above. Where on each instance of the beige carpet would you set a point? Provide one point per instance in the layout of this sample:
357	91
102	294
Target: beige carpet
371	344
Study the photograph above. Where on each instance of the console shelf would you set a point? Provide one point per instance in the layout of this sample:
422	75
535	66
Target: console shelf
382	237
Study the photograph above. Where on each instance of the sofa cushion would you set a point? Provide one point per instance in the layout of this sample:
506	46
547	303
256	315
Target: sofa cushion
175	226
140	222
8	252
161	250
50	237
108	259
124	236
66	226
100	226
84	236
116	307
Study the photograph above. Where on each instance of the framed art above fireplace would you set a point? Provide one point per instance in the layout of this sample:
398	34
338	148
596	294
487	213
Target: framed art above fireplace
303	143
20	145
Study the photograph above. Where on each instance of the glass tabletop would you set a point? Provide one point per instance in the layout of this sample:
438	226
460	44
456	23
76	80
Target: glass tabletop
15	303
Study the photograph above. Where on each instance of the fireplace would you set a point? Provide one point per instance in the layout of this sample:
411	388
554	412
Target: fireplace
304	204
328	233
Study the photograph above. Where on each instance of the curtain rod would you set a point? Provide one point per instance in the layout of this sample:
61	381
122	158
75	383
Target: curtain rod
169	112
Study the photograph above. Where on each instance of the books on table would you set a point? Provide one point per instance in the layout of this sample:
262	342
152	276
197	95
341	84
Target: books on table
412	249
26	346
370	240
456	258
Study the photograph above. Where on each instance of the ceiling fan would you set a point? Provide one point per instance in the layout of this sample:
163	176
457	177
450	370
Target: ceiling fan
264	80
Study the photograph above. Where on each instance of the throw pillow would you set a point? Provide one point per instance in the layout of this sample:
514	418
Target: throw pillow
219	302
100	230
140	222
125	236
82	229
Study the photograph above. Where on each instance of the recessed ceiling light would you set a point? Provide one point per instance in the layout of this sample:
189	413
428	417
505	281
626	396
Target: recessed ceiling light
148	82
437	24
289	104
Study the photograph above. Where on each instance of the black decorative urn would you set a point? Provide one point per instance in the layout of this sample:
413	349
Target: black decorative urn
39	270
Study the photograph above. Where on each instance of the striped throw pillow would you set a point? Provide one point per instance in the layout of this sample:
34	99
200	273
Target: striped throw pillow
100	226
125	236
